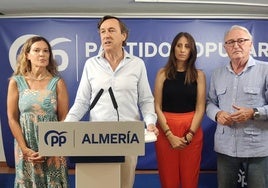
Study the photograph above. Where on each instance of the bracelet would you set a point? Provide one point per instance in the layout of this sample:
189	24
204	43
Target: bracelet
185	138
189	131
166	131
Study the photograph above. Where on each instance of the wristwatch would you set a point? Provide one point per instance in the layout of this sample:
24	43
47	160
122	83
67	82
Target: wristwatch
256	113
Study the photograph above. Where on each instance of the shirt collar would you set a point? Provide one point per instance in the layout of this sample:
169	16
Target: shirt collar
126	54
250	63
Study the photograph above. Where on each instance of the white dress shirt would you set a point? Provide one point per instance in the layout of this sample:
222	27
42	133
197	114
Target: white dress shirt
130	86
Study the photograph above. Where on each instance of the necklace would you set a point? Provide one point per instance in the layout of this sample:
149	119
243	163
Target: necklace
38	79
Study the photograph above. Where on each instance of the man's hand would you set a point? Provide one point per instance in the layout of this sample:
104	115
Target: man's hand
153	128
224	118
242	114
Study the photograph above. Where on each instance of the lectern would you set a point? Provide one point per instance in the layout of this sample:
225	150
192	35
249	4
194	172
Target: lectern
97	148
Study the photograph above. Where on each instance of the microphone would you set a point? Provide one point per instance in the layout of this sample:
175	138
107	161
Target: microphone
113	101
95	100
112	97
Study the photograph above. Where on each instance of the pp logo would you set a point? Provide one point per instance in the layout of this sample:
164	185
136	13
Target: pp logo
53	138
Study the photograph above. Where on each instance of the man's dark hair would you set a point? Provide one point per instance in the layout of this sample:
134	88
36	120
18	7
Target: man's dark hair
123	27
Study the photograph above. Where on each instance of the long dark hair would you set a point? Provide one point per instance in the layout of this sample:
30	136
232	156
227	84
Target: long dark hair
171	65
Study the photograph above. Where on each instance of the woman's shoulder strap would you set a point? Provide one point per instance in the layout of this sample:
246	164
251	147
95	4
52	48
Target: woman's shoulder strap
21	82
53	83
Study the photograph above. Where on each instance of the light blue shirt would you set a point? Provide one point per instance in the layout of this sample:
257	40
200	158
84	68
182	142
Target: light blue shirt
130	86
248	89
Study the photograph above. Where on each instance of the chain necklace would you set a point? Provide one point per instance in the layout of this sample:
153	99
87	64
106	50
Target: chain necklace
38	79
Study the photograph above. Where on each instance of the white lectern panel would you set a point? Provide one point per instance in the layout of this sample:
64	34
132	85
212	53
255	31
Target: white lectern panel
91	138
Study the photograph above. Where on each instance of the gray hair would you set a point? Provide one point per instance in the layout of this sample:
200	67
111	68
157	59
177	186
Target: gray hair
238	27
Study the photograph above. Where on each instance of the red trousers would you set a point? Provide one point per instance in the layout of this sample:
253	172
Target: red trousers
179	167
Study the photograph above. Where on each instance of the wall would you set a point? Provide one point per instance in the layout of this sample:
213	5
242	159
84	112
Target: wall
74	40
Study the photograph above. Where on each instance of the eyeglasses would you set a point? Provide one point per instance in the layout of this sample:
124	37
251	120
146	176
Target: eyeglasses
240	42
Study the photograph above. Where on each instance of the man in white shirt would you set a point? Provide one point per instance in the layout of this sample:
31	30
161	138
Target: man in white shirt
126	77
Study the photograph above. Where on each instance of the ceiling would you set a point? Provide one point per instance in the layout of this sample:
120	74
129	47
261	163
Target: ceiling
130	8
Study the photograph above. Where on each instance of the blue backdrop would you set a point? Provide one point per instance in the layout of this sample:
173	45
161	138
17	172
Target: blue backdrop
76	39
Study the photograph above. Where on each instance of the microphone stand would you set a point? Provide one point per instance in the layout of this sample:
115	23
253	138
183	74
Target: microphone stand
114	101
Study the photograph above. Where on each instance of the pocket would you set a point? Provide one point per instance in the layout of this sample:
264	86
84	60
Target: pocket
252	131
252	94
252	136
221	95
221	91
252	90
221	140
220	130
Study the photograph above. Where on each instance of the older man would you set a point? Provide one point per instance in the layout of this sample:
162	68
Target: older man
237	101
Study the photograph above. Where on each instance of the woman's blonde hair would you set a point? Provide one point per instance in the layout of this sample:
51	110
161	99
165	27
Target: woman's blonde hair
24	65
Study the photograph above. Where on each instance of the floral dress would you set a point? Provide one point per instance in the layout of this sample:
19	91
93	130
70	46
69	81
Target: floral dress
38	106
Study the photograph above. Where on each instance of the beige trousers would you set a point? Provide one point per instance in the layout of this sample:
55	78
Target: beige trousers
128	171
